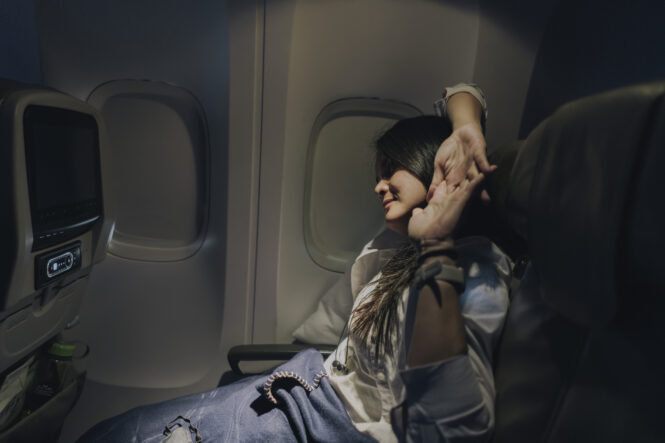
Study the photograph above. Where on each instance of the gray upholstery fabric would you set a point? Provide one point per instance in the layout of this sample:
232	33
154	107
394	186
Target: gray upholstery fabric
590	152
580	358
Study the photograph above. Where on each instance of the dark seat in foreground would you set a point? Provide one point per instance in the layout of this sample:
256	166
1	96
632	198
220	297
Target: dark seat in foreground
580	358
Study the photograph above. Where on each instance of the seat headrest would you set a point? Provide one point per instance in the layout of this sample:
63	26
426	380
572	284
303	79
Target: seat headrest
575	185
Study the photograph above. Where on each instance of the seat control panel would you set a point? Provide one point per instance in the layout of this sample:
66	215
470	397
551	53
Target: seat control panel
53	264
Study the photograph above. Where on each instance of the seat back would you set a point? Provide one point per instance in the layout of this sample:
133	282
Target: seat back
56	217
579	359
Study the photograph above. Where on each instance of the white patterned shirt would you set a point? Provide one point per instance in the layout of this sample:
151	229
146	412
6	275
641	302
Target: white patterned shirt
449	399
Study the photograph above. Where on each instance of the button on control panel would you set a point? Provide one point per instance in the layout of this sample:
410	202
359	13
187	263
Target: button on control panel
52	264
58	265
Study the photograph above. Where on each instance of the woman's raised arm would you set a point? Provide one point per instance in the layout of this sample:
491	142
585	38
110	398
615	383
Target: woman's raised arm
463	154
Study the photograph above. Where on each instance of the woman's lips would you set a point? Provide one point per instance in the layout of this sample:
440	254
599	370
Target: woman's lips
386	204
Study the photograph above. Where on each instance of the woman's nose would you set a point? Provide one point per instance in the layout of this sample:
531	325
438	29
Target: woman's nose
381	187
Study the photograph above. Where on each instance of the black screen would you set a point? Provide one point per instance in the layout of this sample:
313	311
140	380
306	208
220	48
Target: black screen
62	156
64	166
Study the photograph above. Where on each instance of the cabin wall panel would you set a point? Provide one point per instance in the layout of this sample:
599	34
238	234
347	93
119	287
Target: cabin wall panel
19	45
508	40
317	52
246	20
155	329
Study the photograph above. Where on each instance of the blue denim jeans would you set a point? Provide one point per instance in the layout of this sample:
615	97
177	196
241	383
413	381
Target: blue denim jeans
294	403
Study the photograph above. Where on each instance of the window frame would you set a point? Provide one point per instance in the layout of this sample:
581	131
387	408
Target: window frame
346	107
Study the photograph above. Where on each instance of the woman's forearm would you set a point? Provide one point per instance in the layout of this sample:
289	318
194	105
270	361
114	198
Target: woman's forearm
438	330
463	108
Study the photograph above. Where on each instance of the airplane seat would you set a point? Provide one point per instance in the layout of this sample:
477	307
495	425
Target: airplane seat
56	220
579	358
579	355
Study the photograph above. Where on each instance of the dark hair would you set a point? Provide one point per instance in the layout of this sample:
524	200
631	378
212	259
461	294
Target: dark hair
410	144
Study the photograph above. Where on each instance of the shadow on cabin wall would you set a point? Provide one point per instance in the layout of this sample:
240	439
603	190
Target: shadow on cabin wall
592	46
19	45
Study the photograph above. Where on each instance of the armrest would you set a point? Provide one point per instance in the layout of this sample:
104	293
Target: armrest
270	352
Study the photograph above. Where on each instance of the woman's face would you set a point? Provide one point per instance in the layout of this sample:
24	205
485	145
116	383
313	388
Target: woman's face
400	194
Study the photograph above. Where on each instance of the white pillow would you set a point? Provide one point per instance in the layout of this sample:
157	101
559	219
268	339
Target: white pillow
326	323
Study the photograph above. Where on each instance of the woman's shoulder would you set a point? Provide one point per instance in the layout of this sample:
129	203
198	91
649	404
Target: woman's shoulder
481	249
386	239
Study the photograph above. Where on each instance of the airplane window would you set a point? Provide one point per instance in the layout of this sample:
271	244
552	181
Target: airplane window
158	144
341	210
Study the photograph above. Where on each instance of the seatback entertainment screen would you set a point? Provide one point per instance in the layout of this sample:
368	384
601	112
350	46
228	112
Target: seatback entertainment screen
62	158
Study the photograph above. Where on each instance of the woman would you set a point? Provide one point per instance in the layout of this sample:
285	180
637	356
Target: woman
396	326
413	339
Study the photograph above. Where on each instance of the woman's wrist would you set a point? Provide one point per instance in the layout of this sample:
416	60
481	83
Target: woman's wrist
434	249
443	259
430	244
437	262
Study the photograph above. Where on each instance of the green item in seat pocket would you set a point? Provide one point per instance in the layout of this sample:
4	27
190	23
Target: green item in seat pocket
45	423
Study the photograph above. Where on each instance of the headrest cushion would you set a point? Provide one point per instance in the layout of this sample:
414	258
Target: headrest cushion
588	156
